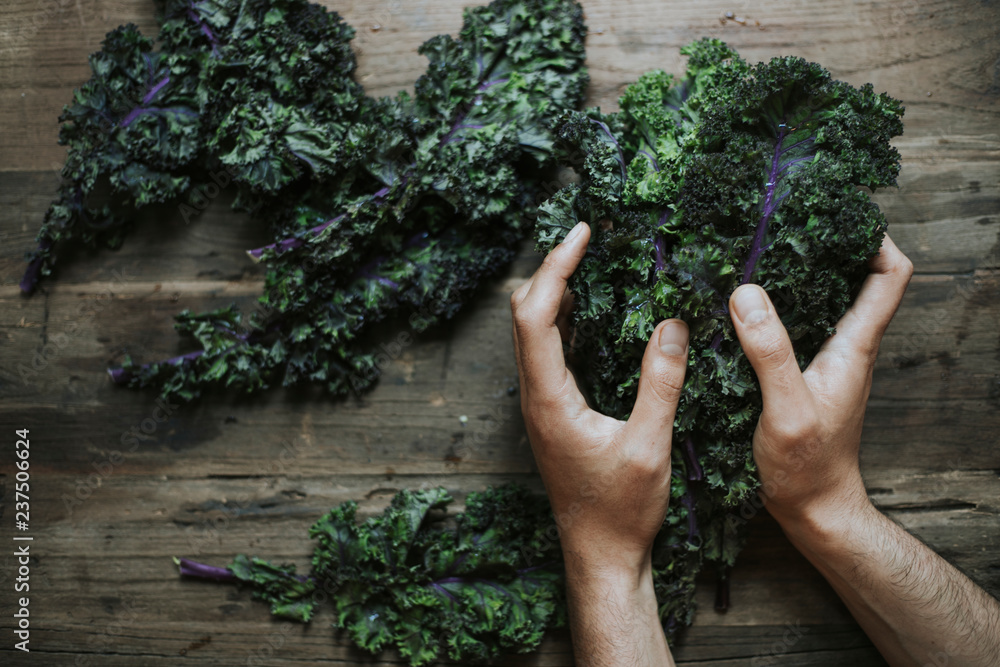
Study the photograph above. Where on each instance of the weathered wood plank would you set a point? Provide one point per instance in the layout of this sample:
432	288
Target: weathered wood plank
232	475
882	43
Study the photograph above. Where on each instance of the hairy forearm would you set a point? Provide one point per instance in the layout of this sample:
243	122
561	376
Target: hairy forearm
916	607
613	614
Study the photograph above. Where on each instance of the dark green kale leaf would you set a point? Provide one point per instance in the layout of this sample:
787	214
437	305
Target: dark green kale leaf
394	208
738	173
133	131
489	582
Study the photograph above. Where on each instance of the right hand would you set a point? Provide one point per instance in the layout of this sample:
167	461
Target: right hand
807	440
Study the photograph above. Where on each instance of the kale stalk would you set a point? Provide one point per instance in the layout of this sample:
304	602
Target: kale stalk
380	208
489	583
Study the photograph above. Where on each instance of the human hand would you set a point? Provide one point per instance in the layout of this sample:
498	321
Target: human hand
620	470
807	440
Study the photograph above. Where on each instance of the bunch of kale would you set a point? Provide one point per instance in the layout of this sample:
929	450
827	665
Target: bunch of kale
402	206
738	173
490	582
392	207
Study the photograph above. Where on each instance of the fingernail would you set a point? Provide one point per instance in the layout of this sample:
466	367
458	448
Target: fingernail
750	304
673	338
573	233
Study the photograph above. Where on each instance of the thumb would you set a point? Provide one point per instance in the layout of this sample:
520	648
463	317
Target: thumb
660	384
766	344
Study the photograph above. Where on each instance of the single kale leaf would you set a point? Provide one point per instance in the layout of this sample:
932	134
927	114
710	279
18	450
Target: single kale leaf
381	208
134	132
738	173
487	582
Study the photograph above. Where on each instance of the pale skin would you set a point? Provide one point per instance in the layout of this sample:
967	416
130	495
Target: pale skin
609	481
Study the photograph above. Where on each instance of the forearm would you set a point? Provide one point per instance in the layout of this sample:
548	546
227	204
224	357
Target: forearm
916	607
613	614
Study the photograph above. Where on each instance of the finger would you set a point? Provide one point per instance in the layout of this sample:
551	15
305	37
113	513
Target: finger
564	318
766	345
861	328
660	382
537	340
550	280
517	296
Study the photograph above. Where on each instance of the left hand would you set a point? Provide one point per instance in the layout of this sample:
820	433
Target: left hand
608	480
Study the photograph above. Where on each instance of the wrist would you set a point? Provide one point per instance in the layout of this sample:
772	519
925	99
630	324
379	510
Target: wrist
593	563
613	611
827	526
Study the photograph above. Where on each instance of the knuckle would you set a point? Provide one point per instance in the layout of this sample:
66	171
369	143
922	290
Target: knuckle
640	466
797	427
900	265
907	267
867	349
516	297
645	468
771	349
664	375
666	382
552	260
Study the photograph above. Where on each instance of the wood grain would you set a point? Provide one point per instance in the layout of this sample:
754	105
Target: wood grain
232	475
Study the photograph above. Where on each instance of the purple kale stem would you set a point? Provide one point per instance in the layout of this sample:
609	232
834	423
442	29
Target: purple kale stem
288	244
132	115
607	131
31	274
459	123
694	469
660	249
190	568
285	245
141	108
671	624
486	85
525	570
382	280
138	111
30	278
770	204
121	375
205	30
444	590
656	165
155	89
722	589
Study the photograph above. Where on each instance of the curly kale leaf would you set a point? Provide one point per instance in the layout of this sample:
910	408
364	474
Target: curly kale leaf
133	132
738	173
420	201
487	584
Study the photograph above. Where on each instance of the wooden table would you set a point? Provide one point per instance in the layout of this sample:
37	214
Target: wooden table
230	475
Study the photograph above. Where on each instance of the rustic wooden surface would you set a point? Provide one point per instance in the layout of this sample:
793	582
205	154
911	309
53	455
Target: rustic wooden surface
231	475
